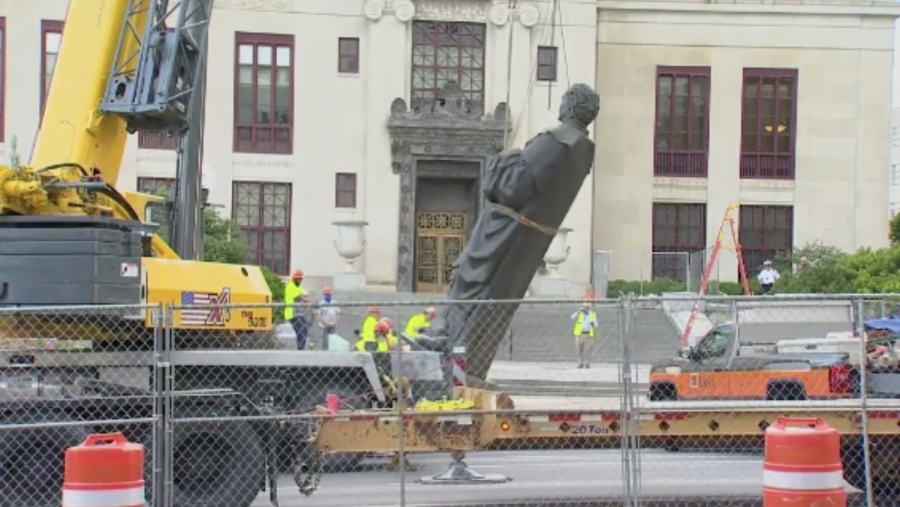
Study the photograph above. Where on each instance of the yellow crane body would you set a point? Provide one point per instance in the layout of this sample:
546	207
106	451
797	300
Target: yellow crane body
70	237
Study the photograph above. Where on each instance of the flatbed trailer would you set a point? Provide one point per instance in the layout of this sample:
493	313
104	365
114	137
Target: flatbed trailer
495	423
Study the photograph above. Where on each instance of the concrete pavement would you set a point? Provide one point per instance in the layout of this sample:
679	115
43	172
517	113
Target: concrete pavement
539	478
563	379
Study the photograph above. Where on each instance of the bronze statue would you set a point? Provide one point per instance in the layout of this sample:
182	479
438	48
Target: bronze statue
529	191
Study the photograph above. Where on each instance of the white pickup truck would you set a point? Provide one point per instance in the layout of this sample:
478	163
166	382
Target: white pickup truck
883	366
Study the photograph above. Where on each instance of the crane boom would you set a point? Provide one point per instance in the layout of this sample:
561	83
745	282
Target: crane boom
70	236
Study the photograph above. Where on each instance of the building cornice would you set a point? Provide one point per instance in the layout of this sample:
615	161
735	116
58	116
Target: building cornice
876	8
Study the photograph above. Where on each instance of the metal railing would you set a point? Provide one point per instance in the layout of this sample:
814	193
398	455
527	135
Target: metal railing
229	417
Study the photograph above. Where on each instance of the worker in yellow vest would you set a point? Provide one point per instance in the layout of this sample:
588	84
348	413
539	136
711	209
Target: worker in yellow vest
381	340
295	295
367	330
584	330
419	322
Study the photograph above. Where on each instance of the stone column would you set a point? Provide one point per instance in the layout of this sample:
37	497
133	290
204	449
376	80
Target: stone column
387	57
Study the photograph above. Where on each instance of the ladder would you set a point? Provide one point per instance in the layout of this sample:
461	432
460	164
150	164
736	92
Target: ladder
728	221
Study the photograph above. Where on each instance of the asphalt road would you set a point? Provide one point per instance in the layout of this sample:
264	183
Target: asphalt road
539	478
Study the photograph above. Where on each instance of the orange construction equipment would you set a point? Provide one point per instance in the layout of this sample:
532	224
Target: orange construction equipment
104	471
803	464
714	256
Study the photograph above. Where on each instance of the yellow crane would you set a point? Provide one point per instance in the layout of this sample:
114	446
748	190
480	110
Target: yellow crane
72	238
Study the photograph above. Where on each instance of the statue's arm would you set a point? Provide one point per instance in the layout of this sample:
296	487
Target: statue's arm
515	177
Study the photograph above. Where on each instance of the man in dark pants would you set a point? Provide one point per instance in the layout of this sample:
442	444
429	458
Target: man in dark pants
767	277
294	295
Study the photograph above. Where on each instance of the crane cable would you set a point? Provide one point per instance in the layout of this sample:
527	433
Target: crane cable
548	30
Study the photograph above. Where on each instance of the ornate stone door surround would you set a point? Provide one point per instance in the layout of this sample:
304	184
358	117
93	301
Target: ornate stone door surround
448	130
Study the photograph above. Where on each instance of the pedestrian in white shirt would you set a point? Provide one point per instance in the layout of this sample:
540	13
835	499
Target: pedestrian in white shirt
767	277
327	315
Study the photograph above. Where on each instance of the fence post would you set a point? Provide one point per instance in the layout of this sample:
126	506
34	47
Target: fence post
863	398
167	459
160	374
628	410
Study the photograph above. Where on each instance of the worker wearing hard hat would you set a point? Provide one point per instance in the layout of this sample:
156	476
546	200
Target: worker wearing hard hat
381	340
419	322
294	297
327	315
585	326
367	330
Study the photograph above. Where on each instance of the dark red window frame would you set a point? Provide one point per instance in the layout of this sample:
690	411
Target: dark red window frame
271	137
765	232
430	71
766	152
264	257
679	229
681	142
47	27
547	63
348	55
345	190
158	141
154	185
3	54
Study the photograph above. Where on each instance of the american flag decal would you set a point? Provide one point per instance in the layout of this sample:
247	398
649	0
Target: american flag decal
205	309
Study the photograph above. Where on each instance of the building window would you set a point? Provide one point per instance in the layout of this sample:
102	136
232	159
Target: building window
51	38
444	52
264	94
262	210
682	122
2	79
158	141
345	190
766	233
546	64
155	186
348	55
895	174
767	123
679	229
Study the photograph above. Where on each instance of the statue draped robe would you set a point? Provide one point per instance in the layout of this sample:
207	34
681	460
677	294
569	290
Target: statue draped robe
534	185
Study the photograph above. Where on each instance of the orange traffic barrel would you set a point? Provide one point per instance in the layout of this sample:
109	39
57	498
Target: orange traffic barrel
104	471
803	464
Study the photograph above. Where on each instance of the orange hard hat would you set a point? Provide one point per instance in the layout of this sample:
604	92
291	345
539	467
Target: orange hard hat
326	290
373	309
387	322
297	275
383	326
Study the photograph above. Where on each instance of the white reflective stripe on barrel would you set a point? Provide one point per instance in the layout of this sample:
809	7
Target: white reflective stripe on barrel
126	497
806	481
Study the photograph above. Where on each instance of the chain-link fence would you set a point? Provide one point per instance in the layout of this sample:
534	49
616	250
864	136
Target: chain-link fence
576	402
619	273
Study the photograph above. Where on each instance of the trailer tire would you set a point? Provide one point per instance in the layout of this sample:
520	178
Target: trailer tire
217	464
31	460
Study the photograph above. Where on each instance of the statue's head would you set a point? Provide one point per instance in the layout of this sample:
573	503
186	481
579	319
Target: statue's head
580	103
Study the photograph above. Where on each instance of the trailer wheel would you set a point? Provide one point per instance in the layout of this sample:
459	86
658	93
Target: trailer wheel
31	459
217	464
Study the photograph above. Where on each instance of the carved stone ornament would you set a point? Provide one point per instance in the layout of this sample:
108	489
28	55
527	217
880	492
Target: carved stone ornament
499	14
450	128
373	9
558	252
404	10
473	11
350	241
528	15
256	5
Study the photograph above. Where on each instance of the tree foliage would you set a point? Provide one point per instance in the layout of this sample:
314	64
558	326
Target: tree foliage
894	233
831	271
224	243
